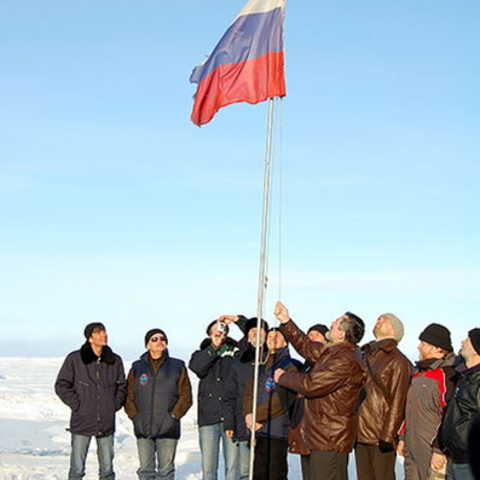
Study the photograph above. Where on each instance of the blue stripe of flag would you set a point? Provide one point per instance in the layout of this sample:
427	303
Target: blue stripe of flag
249	37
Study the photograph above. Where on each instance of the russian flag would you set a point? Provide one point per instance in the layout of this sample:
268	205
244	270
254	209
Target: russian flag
247	65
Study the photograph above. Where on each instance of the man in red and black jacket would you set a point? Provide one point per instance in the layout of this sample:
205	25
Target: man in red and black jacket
431	387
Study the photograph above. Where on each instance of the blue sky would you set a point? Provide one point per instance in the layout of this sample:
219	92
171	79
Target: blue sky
114	206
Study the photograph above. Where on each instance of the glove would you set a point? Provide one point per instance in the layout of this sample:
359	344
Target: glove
385	447
222	349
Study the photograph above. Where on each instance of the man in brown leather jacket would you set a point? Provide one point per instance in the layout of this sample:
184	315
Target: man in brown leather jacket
325	431
382	412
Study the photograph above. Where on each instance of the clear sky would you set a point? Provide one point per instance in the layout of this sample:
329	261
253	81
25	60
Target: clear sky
114	206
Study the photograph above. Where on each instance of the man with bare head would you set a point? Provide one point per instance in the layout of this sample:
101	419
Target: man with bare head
324	433
92	383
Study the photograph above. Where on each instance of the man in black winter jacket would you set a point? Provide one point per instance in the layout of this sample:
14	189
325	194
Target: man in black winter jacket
242	372
211	363
92	383
462	410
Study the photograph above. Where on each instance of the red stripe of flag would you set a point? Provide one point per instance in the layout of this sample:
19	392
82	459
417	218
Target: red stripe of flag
252	81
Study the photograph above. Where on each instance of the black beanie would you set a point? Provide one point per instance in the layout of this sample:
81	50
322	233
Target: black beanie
277	329
323	329
474	335
253	323
153	332
91	327
438	336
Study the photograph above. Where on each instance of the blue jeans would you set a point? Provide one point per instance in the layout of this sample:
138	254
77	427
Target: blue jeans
78	457
209	438
243	460
160	466
459	471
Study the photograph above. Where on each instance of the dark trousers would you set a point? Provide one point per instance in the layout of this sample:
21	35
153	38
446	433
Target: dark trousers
325	466
372	464
270	459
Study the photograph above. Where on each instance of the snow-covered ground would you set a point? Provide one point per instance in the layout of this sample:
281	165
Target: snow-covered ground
34	444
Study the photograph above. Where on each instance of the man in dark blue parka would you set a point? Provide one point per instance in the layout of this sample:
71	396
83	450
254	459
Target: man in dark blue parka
211	363
92	383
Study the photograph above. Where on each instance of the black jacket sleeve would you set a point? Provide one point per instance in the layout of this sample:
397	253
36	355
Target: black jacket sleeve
202	361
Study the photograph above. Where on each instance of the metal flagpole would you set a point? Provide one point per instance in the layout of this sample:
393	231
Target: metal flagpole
262	275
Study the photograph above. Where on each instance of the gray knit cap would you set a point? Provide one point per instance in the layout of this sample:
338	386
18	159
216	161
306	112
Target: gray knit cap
397	325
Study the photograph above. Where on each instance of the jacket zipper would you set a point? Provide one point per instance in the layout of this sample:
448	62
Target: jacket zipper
98	394
154	376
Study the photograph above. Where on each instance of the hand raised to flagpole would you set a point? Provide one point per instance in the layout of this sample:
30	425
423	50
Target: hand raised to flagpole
281	312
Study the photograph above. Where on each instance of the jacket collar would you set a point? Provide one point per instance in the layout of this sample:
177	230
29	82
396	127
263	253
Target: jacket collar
248	355
387	346
146	356
464	370
88	355
449	360
429	364
339	346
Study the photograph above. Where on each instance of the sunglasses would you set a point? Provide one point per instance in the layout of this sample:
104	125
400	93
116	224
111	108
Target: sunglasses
160	338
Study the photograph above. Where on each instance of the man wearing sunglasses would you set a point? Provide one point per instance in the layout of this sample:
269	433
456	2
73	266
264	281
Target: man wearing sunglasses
159	394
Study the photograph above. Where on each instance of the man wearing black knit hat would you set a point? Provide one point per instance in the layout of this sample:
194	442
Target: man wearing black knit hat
158	395
462	410
241	372
92	383
431	387
318	333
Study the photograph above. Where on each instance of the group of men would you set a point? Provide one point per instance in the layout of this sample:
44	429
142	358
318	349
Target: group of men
343	397
156	395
